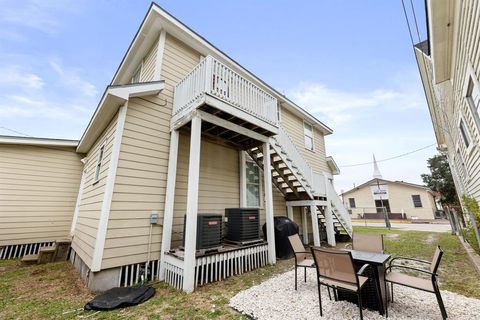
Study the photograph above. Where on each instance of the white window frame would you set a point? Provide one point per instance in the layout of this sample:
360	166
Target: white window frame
244	158
98	164
462	124
472	80
413	201
305	135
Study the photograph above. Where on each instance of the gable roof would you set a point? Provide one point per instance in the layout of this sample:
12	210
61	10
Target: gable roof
157	19
370	182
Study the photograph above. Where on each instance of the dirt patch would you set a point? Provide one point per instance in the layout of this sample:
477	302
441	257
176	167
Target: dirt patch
51	281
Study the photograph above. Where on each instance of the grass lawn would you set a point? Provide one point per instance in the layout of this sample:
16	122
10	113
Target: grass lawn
54	291
457	273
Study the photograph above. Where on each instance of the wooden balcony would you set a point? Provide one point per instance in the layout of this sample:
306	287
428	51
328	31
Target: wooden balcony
215	90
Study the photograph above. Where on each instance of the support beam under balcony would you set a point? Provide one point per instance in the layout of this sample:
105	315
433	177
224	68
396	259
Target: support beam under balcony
169	200
192	205
304	225
316	231
267	174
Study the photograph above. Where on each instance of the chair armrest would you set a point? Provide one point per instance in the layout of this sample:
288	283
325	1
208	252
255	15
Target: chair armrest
409	268
409	259
362	269
348	246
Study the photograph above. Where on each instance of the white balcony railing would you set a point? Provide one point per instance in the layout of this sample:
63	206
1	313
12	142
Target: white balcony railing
216	79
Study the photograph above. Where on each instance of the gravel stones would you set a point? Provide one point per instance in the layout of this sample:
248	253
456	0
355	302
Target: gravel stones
276	298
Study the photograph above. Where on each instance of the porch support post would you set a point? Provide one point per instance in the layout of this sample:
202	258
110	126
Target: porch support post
304	225
169	200
290	212
316	232
329	225
192	205
329	214
267	174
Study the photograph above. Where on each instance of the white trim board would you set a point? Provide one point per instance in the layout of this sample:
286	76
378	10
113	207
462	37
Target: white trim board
160	51
108	193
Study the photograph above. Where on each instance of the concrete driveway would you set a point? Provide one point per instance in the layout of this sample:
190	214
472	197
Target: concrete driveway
429	227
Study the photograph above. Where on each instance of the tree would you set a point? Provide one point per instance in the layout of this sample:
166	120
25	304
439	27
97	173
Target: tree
440	180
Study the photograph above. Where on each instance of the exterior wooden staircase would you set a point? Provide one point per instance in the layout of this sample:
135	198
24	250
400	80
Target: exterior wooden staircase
296	180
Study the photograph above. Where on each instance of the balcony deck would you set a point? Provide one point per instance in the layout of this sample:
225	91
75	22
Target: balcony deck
232	107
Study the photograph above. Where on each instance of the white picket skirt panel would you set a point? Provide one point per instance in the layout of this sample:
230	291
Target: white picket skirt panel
217	267
19	250
138	273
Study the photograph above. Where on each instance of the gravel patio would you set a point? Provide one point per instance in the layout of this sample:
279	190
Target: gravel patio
276	298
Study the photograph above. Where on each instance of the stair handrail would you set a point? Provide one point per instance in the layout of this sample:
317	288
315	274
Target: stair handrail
287	144
343	215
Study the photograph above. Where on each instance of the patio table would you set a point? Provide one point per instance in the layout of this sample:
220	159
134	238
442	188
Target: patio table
369	291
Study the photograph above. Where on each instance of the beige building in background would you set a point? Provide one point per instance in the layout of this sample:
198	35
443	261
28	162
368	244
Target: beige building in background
402	200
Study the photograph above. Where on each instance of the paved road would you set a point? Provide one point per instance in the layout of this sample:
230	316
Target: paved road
410	226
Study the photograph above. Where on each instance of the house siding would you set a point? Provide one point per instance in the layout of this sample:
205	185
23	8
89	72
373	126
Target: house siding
449	101
148	65
143	163
92	197
294	126
38	191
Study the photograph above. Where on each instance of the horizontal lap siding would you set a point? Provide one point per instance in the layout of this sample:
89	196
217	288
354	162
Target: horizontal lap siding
38	191
294	126
400	197
93	193
143	163
468	52
148	67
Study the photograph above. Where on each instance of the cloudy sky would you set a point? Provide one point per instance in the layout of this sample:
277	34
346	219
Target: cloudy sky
350	63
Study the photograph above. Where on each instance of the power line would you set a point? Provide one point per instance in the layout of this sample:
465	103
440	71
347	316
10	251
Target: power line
15	131
391	158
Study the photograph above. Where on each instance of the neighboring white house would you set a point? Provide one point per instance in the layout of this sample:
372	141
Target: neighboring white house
449	64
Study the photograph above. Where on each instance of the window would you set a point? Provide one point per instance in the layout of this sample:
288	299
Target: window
473	97
417	202
99	164
351	202
463	132
136	74
308	133
252	175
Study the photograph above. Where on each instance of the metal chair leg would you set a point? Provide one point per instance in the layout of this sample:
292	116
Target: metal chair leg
329	295
440	301
320	299
305	274
392	290
386	304
359	295
295	278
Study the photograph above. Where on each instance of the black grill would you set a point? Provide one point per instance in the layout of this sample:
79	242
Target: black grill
243	224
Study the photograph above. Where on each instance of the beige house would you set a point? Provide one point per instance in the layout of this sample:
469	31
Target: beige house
402	200
449	66
182	129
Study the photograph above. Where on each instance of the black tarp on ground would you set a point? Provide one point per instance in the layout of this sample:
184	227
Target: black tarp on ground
284	227
121	298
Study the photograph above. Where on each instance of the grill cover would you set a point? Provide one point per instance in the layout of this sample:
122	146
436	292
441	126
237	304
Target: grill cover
284	227
121	298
